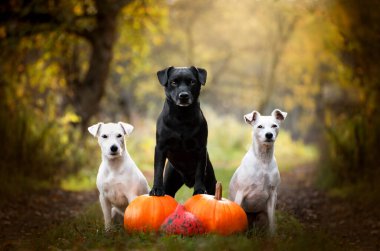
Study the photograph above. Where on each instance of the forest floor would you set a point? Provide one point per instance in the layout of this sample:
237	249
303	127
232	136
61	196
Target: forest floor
349	224
32	214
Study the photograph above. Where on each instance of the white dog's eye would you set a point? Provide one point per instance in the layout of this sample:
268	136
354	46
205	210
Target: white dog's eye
274	126
104	136
119	136
260	126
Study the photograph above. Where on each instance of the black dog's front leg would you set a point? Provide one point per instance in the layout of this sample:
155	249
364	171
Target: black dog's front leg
199	187
159	162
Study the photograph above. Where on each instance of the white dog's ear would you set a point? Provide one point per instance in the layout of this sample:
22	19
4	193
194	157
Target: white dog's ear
127	128
94	129
279	115
252	117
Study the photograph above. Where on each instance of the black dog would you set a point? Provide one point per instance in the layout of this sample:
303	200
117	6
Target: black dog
181	135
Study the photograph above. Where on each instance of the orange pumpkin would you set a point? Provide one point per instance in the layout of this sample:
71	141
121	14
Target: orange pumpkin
217	214
147	213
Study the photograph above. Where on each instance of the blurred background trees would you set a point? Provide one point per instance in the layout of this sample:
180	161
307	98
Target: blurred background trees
352	124
66	64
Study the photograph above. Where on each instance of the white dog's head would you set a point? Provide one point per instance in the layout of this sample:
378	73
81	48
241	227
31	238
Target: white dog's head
111	137
265	128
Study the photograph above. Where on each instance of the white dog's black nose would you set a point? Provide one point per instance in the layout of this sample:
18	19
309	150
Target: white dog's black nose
183	95
269	135
114	148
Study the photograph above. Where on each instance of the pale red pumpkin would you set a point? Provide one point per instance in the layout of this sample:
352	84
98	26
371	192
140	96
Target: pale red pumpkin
147	213
183	223
217	214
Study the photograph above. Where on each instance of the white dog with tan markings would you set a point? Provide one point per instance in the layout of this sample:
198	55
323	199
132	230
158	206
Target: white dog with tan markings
119	181
254	184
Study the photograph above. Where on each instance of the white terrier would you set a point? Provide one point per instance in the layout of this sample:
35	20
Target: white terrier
119	180
254	184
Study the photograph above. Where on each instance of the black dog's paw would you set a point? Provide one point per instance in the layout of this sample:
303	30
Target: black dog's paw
157	191
199	191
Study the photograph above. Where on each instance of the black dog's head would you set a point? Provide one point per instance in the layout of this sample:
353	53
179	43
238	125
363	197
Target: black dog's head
182	84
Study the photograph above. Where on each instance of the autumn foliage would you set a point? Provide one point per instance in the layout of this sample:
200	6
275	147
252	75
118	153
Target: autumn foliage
66	63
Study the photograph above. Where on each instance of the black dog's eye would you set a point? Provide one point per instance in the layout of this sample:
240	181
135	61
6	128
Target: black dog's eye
104	136
260	126
173	83
119	135
192	82
274	126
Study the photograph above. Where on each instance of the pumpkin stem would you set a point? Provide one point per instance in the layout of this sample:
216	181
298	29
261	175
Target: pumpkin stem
218	191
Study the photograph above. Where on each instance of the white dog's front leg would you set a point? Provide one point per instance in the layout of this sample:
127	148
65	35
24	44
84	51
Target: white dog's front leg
116	211
271	207
239	197
106	208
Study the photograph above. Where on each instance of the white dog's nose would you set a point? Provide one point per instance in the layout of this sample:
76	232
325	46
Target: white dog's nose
269	135
114	148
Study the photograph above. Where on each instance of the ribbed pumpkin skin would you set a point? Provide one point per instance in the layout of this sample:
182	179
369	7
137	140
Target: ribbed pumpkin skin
218	216
147	213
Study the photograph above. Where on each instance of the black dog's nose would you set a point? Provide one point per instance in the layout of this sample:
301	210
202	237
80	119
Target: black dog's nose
184	95
269	135
114	148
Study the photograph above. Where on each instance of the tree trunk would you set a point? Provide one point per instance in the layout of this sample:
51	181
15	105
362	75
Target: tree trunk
86	94
28	18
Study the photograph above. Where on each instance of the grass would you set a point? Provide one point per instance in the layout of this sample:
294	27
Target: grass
17	185
365	192
222	175
85	232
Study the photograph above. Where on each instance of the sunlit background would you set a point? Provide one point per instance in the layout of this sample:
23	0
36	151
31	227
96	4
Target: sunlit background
66	65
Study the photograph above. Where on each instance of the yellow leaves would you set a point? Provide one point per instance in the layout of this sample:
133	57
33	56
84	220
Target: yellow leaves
329	118
20	91
3	32
70	117
295	153
340	16
119	69
78	10
158	40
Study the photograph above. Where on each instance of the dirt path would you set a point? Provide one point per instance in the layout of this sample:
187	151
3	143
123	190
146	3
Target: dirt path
346	222
34	213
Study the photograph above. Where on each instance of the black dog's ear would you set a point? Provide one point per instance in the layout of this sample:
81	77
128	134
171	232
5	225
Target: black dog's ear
163	75
202	74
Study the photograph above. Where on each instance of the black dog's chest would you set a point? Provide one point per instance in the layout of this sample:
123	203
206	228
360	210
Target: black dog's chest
180	142
183	145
